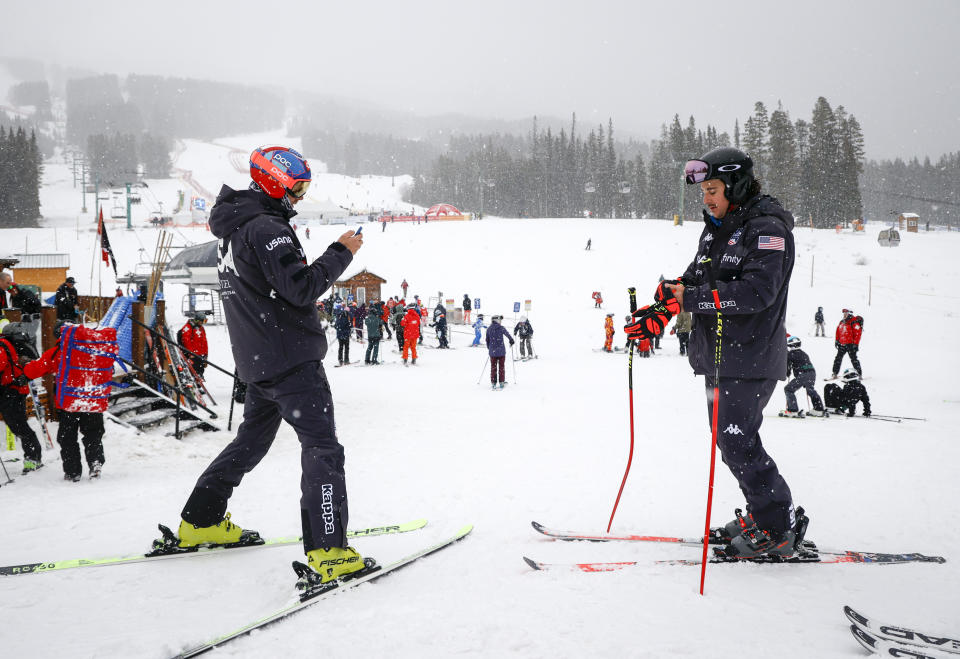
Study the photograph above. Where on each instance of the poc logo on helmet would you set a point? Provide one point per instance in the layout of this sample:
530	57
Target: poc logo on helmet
728	168
286	163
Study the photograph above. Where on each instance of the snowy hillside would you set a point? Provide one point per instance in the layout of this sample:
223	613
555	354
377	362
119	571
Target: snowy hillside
431	442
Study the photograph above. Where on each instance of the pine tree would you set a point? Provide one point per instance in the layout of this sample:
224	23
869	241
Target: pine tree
755	137
782	178
819	194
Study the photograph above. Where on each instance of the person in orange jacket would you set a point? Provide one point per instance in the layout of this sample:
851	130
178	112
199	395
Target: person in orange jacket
411	332
608	327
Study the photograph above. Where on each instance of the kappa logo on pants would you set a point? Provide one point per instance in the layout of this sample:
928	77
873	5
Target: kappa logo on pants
733	429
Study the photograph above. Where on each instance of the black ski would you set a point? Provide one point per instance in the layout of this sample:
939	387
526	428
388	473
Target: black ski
901	635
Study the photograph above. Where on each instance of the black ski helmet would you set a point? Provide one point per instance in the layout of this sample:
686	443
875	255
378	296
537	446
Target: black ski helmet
793	343
730	165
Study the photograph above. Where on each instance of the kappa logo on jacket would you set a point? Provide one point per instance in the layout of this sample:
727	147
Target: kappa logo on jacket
733	429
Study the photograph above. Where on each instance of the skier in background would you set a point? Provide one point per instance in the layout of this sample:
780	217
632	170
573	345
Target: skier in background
805	376
843	400
411	332
374	323
440	324
342	324
524	332
477	328
608	329
847	341
820	329
682	329
498	351
399	310
466	308
597	300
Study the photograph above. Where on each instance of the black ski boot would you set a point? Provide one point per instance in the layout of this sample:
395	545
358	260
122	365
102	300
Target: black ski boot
754	543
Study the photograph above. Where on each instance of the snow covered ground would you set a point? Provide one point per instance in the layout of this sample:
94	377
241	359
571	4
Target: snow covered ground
431	442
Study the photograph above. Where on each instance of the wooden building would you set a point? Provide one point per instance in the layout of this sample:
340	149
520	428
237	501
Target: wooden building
912	220
364	286
47	271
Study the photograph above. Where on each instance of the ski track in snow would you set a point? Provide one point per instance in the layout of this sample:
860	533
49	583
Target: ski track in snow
429	441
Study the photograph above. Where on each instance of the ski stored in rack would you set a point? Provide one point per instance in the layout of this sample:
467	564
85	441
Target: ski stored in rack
50	566
334	588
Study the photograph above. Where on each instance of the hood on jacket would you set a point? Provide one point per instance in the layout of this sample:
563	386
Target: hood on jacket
234	208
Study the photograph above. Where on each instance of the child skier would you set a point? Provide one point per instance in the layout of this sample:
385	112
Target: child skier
524	332
411	333
608	328
805	376
843	400
16	346
477	327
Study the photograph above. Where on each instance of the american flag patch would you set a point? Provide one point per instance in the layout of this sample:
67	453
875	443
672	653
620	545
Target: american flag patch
770	242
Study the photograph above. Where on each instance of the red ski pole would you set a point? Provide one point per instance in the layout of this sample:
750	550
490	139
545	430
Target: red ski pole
633	307
705	262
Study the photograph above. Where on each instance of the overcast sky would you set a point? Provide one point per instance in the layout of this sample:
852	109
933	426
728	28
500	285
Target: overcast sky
891	63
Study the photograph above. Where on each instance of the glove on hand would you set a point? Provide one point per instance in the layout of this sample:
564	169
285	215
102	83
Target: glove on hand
648	322
665	296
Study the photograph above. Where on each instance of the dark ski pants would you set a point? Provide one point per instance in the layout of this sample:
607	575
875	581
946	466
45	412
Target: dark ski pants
90	425
13	407
526	346
343	351
442	337
820	330
373	351
684	338
398	331
301	398
847	349
808	381
740	414
199	365
498	365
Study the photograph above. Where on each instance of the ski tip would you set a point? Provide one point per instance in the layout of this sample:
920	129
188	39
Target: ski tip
855	617
464	531
532	563
537	526
865	639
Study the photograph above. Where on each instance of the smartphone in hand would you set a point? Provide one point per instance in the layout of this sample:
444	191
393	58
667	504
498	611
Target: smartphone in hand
357	232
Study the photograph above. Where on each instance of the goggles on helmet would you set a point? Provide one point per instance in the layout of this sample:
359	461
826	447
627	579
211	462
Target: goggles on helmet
299	189
696	171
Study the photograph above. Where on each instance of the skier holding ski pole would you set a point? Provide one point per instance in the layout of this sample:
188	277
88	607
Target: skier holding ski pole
747	247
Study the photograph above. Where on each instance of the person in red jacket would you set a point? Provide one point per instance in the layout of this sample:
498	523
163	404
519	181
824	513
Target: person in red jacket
13	393
193	337
848	341
411	332
80	403
608	328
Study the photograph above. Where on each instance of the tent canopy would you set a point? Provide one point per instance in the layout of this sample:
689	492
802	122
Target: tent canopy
438	210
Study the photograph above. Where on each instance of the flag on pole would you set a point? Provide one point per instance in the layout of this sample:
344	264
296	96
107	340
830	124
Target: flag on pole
105	251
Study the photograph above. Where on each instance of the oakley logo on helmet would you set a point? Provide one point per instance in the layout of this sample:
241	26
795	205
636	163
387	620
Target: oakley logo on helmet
728	168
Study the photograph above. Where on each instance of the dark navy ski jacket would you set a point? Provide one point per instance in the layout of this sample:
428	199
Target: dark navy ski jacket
495	335
269	291
799	362
752	256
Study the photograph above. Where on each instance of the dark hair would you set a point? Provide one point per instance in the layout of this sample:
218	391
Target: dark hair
754	188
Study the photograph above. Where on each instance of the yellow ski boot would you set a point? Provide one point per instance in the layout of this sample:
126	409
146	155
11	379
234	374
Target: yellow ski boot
224	533
336	563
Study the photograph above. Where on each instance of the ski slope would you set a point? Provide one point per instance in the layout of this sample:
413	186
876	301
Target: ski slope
429	441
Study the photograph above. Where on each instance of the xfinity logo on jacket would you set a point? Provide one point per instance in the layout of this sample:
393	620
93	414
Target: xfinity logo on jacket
279	240
730	258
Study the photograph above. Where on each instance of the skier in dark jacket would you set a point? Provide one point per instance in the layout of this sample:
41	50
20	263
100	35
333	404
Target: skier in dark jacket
343	324
805	376
498	351
844	399
374	323
67	301
269	295
524	331
748	241
821	329
440	325
466	308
